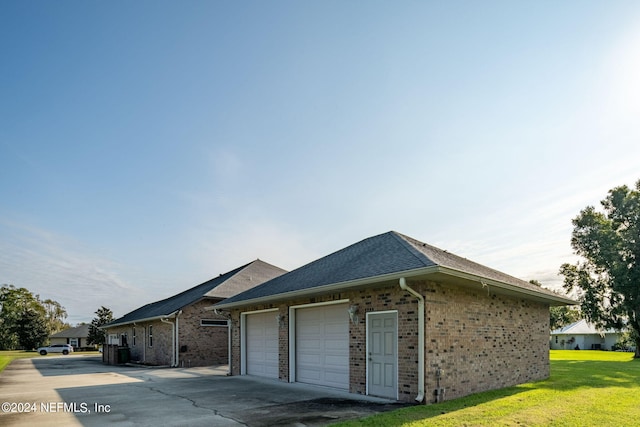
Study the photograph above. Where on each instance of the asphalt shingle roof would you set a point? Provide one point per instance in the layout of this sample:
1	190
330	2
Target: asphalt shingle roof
223	286
379	255
81	331
581	327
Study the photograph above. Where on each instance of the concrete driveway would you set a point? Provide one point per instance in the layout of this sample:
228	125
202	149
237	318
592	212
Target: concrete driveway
81	391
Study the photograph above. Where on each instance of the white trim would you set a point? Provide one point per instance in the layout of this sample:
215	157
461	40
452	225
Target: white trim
327	289
315	304
243	336
543	294
367	350
143	320
292	331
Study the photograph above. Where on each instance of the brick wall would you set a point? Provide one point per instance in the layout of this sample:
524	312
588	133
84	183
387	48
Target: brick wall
483	341
202	345
234	364
157	354
205	345
480	341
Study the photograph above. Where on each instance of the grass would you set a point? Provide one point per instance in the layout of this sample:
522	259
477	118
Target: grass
585	388
7	356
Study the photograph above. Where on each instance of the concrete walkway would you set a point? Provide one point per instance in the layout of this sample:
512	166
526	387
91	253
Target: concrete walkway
81	391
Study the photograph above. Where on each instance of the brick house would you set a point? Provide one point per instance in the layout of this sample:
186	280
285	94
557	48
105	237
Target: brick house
77	337
394	317
180	331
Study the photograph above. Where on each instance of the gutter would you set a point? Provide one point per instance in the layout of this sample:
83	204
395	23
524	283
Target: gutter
146	319
177	348
333	287
229	355
405	287
506	286
423	271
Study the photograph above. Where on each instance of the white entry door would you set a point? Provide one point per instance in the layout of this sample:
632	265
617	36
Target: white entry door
261	344
382	348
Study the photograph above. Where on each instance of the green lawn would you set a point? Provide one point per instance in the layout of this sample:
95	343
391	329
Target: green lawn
6	356
586	388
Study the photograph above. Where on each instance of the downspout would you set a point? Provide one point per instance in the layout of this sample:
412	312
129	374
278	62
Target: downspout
177	347
228	339
229	346
144	344
173	340
405	287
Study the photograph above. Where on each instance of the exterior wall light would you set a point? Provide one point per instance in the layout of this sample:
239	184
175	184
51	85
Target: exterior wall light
353	314
280	320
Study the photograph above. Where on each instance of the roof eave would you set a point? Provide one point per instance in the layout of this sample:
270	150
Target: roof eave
553	299
423	271
145	319
333	287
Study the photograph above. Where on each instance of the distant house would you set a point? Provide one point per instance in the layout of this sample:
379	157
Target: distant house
582	335
393	317
178	331
76	337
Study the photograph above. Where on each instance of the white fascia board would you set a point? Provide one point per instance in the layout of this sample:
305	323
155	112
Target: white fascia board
509	287
424	271
146	319
333	287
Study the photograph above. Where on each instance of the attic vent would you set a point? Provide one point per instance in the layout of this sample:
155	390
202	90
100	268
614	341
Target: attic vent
212	322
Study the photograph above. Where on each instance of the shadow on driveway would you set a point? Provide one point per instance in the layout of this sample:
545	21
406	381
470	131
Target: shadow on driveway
98	395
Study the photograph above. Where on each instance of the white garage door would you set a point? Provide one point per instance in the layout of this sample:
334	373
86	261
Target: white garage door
262	344
322	345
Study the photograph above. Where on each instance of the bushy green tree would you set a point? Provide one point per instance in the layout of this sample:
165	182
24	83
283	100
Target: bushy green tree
97	335
24	320
55	315
32	330
608	276
562	316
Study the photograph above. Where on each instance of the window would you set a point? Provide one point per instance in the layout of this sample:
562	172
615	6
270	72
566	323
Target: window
113	339
133	336
212	322
150	336
556	339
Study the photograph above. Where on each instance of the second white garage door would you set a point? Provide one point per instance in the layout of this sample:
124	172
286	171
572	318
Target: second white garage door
262	344
322	345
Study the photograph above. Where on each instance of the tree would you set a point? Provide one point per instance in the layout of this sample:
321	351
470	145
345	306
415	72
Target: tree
560	316
32	330
563	316
55	315
22	316
97	335
608	276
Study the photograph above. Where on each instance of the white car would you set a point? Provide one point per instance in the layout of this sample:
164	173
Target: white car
56	348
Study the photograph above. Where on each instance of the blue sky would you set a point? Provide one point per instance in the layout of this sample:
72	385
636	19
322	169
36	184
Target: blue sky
146	147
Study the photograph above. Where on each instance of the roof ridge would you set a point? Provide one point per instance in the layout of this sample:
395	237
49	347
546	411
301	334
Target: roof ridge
409	247
223	277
